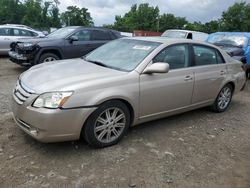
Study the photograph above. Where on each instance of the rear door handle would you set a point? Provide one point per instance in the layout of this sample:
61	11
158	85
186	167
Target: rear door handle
187	78
222	72
6	39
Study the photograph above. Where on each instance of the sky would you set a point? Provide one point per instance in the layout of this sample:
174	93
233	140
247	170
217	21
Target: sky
104	11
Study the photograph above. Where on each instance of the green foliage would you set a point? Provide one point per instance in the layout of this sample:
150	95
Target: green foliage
142	17
169	21
10	11
45	14
236	18
77	16
41	14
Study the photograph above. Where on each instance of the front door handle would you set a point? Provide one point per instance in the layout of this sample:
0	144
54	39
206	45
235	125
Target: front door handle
187	78
6	39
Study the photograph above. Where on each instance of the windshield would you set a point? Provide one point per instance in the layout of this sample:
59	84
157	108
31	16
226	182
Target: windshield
233	40
61	33
122	54
174	34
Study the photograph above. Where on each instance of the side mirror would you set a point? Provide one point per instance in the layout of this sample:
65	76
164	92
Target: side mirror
73	38
157	68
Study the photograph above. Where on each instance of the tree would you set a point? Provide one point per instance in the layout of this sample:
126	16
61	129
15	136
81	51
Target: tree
236	18
10	11
33	14
169	21
142	17
77	16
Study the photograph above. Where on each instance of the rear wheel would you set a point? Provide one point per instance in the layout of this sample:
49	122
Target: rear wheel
107	125
47	57
223	99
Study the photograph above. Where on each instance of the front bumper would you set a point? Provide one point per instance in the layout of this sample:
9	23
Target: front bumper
20	59
50	125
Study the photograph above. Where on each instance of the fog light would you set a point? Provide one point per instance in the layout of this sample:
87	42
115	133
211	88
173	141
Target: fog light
34	132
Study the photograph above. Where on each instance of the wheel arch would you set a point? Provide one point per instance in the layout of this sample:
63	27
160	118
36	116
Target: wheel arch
232	84
128	105
42	51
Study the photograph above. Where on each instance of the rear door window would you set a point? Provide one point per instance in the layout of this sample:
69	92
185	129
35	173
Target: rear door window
206	56
100	35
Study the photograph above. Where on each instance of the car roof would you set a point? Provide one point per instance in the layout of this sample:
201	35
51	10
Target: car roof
188	31
83	27
18	27
169	41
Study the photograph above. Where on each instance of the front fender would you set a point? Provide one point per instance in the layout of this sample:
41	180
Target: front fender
45	49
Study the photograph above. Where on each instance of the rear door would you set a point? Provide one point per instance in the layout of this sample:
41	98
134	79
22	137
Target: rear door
100	37
5	40
210	72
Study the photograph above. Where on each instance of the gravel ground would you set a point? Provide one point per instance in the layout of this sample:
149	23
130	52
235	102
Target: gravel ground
194	149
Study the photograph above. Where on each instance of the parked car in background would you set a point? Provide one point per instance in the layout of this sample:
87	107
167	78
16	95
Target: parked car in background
185	34
123	83
12	32
236	44
64	43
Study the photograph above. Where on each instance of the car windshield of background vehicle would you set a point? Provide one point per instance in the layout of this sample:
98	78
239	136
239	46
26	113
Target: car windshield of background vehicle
61	33
122	54
174	34
230	40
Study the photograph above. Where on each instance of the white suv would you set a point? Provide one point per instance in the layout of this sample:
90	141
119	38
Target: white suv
10	33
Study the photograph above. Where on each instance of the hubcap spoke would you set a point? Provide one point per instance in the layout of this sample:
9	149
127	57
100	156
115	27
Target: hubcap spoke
101	120
108	136
108	116
102	134
117	119
115	132
100	128
119	125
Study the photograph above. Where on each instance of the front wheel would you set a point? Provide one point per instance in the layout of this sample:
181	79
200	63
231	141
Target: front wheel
47	57
223	99
107	125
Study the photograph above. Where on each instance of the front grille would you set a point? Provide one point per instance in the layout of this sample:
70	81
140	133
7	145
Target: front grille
21	94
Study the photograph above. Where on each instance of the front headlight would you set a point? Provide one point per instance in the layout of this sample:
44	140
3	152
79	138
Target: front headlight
52	100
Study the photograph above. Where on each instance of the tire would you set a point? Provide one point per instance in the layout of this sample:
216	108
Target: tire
47	57
101	131
223	99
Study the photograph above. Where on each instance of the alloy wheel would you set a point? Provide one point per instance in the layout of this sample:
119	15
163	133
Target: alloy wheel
109	125
48	59
224	98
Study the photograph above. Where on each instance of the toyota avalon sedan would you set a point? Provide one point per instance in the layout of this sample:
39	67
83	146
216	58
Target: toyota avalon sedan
123	83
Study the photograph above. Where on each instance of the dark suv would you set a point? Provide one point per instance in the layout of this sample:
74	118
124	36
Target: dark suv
65	43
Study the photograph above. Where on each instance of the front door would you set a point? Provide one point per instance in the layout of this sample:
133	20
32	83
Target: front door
162	93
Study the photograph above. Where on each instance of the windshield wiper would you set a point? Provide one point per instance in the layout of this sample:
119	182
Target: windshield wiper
97	63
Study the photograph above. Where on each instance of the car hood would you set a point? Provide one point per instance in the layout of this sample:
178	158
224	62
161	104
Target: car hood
65	75
35	40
